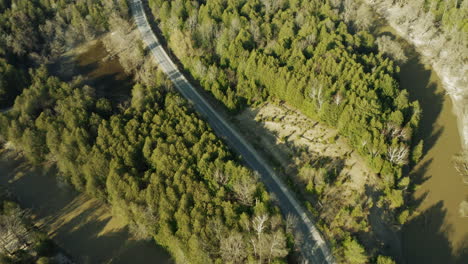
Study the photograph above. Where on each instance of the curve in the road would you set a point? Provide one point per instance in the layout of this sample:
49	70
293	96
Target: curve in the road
313	247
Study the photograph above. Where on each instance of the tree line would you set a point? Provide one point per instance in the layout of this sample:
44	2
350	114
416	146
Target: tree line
300	52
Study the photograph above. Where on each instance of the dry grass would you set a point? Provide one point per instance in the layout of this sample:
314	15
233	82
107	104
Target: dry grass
288	135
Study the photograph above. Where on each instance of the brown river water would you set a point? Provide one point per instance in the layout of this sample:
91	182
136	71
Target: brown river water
438	234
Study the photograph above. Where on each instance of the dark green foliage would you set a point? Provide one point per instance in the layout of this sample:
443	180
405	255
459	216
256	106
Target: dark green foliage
157	164
301	53
11	82
385	260
353	252
417	152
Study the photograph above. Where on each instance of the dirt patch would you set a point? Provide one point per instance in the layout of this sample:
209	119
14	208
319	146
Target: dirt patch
83	226
287	135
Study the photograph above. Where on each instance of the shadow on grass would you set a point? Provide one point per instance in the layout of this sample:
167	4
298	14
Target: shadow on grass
82	226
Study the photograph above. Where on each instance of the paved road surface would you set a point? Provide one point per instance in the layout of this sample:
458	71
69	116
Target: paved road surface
313	247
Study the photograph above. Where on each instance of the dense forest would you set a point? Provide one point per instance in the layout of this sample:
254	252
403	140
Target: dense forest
153	160
20	241
156	163
316	56
159	165
303	53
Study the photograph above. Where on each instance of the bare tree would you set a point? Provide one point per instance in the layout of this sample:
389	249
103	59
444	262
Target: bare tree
233	248
398	155
192	22
394	131
349	11
256	32
218	228
316	93
338	98
277	245
259	224
374	152
291	223
244	188
220	177
364	17
460	161
14	235
141	228
271	6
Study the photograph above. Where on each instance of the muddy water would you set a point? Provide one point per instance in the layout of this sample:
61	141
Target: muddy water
438	234
104	71
100	69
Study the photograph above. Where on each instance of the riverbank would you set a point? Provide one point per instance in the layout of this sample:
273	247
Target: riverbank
83	226
435	233
452	77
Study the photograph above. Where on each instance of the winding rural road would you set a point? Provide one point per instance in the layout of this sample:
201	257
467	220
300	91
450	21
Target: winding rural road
313	247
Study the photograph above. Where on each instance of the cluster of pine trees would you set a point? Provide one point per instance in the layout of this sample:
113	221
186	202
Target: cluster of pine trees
302	53
157	163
